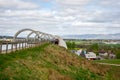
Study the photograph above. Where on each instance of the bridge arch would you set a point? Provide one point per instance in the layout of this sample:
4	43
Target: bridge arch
22	30
40	35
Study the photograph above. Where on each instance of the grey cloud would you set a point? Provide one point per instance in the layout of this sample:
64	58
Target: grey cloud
17	4
71	3
111	3
69	17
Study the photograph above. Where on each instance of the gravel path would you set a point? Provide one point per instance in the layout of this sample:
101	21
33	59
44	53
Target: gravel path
110	64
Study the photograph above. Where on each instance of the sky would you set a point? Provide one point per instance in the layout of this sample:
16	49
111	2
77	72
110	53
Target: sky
60	17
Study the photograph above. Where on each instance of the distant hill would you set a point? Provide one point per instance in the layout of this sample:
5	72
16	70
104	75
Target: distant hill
5	37
50	62
93	36
83	36
9	37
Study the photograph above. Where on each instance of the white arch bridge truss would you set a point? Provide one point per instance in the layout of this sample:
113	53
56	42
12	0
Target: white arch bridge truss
39	37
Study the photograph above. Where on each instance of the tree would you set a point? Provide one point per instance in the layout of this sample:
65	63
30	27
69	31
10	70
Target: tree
94	48
71	45
118	54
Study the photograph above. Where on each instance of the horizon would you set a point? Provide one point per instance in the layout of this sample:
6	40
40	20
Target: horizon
75	34
82	36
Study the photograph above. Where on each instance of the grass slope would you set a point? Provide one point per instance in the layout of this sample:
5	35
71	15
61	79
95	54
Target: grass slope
50	62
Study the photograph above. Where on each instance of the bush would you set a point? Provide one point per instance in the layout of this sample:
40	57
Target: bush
71	45
118	54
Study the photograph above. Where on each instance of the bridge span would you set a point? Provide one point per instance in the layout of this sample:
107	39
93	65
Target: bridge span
30	40
40	36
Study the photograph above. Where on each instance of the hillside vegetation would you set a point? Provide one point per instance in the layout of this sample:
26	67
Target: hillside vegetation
51	62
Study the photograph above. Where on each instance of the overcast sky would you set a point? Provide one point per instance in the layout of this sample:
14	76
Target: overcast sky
60	17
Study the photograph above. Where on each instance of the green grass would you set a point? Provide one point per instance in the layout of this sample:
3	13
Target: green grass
114	73
50	62
114	61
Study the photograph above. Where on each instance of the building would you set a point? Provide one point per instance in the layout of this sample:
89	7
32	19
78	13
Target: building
85	54
103	54
112	56
90	56
78	52
108	55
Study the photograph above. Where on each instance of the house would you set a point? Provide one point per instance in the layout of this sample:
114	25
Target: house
108	55
103	54
78	52
112	56
88	55
83	53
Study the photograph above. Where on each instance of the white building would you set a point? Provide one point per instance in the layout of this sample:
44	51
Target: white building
78	52
90	56
112	56
103	54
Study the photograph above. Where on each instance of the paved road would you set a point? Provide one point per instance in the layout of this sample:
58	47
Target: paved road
110	64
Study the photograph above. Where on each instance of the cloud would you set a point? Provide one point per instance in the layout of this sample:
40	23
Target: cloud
25	13
72	2
65	16
17	4
110	3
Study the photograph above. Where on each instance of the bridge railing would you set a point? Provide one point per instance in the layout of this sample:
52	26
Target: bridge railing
7	47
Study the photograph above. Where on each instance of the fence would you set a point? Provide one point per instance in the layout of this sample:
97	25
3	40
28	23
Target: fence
7	47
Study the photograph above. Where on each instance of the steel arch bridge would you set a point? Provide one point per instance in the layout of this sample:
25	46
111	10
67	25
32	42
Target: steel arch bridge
39	36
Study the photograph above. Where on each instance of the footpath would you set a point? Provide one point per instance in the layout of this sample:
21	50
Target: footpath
110	64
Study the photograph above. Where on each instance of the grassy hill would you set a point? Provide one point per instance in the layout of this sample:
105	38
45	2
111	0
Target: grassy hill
51	62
